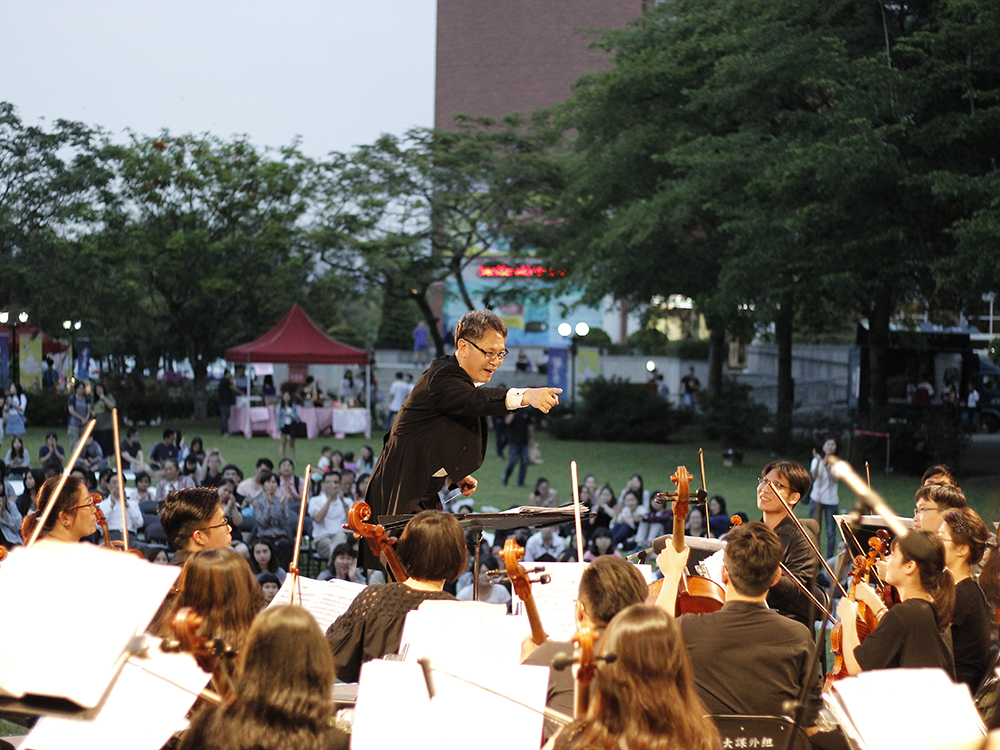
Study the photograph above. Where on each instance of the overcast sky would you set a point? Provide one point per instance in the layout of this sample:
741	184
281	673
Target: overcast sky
336	72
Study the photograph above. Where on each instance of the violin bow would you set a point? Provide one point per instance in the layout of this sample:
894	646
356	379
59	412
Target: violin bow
62	482
576	509
806	536
704	489
802	587
121	477
294	567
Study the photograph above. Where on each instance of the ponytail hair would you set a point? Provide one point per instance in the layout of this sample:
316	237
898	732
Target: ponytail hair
935	578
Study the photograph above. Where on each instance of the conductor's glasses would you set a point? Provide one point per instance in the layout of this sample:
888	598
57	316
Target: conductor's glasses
492	356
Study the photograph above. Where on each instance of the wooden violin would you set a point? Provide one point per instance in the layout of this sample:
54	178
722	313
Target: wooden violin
206	651
513	553
695	594
378	542
102	521
866	620
584	639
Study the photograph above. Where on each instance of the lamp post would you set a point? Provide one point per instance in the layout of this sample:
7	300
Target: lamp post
15	360
72	327
579	332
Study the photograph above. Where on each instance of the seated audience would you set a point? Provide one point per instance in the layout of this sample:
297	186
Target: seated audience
343	566
166	449
328	511
264	559
51	450
172	480
489	592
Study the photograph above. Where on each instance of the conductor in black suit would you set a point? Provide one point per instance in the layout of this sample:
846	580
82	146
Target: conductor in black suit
439	435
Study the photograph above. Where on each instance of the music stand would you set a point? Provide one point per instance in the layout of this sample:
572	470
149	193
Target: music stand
480	522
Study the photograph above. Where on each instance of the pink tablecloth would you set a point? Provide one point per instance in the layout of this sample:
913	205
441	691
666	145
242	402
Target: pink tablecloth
340	420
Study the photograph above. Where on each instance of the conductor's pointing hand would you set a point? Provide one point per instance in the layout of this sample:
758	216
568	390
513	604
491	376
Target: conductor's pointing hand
542	399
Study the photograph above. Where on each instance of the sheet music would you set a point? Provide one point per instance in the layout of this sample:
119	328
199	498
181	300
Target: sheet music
67	586
462	715
475	631
325	600
538	510
873	699
141	712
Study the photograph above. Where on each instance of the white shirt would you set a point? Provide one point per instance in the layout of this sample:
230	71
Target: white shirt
535	547
113	515
336	516
398	392
824	486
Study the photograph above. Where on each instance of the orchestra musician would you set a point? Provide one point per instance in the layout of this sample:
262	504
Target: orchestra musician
283	690
607	586
912	633
193	520
931	502
73	515
645	697
747	659
788	481
965	537
432	550
440	433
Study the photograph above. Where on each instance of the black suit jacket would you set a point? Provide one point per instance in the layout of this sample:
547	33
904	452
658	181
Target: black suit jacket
442	425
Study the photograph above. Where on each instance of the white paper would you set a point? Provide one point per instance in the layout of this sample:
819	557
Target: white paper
555	600
141	712
101	598
325	600
474	631
462	715
881	703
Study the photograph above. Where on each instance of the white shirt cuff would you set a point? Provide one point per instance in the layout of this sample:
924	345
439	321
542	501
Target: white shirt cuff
513	400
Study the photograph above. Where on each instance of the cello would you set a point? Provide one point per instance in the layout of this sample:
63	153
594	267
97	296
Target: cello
378	541
695	594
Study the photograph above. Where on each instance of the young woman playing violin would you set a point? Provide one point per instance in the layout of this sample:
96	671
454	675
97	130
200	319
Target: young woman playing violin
645	697
911	634
72	517
432	550
965	536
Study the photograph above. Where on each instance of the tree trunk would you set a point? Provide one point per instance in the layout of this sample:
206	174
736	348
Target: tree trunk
457	271
716	358
200	367
878	360
783	324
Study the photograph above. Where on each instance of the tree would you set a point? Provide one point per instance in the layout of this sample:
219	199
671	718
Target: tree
205	234
402	215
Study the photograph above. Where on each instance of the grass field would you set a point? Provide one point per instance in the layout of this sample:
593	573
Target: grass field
611	463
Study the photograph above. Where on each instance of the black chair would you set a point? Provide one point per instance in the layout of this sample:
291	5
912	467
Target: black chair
741	731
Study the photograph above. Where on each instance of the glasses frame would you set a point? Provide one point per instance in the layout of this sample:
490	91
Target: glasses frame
88	504
491	356
921	511
774	485
216	526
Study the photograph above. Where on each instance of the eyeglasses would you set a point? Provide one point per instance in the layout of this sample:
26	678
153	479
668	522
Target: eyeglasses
88	504
217	526
777	485
920	511
493	356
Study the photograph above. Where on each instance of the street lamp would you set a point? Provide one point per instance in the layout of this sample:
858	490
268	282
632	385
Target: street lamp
15	360
72	327
566	330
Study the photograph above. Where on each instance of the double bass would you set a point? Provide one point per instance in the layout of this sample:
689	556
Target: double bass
695	594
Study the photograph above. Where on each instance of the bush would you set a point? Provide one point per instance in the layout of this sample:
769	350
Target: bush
616	411
733	417
921	438
649	342
47	409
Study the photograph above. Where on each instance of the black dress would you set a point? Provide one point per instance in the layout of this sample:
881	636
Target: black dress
373	625
907	636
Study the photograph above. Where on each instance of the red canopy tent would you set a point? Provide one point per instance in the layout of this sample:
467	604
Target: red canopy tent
296	339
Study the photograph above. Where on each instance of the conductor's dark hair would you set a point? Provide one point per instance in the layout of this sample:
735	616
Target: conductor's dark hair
609	585
475	323
795	475
183	511
752	554
432	547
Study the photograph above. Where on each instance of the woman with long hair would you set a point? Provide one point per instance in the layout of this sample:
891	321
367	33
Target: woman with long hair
911	634
282	695
33	480
18	460
646	697
72	517
432	550
965	536
218	585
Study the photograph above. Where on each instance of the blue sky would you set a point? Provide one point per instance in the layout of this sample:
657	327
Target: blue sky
338	73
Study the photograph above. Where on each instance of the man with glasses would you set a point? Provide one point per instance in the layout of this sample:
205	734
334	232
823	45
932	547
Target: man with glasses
932	501
193	520
781	486
439	436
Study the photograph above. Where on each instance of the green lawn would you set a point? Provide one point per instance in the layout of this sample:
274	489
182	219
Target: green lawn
609	462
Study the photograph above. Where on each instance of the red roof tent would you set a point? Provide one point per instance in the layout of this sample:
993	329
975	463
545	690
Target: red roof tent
297	340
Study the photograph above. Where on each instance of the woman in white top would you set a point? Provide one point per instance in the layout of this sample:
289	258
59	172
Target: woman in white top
824	502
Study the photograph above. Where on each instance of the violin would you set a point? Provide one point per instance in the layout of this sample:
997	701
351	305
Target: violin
102	521
206	651
695	594
584	639
866	620
513	553
378	542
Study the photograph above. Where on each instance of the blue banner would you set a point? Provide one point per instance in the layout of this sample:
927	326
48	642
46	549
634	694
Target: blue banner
5	359
559	369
